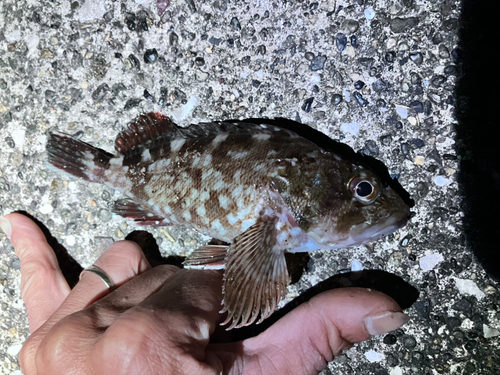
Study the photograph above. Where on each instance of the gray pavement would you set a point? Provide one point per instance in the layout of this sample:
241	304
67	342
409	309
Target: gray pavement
376	75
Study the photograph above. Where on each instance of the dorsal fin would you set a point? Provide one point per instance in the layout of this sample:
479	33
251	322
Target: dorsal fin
150	129
144	131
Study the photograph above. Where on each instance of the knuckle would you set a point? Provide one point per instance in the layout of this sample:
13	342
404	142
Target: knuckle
129	338
27	354
57	348
125	253
125	249
141	337
22	246
32	272
67	344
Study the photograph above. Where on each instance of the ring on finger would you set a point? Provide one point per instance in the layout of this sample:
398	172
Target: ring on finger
102	275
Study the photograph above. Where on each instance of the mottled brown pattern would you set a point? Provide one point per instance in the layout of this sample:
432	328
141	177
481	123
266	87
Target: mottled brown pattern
312	182
196	146
132	159
160	151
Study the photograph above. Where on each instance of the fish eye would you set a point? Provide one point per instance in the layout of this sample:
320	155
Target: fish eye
364	188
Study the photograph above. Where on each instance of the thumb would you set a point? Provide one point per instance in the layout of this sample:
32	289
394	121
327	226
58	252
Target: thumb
309	337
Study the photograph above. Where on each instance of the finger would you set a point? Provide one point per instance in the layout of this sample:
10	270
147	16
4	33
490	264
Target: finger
43	286
177	321
106	310
68	344
122	261
306	339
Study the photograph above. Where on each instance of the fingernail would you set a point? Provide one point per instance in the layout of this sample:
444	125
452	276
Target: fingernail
6	227
385	322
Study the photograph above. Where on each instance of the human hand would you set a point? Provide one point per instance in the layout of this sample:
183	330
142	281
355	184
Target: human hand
159	320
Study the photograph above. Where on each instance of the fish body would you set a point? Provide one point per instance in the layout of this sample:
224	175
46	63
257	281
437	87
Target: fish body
262	189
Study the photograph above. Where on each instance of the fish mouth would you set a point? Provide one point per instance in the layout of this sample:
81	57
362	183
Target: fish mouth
361	234
394	222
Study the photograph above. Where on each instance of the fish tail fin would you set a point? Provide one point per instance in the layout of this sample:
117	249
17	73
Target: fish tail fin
77	158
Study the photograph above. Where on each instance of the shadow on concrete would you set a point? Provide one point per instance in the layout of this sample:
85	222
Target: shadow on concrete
478	130
150	248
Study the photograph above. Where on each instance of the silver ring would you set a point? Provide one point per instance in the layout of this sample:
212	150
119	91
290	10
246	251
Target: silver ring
103	275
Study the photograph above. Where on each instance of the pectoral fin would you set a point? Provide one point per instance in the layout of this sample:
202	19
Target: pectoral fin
256	276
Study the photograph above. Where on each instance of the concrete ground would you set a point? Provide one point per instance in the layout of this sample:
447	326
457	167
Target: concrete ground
377	75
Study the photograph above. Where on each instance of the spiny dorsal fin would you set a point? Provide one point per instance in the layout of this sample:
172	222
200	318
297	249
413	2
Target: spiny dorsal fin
145	130
256	277
209	257
151	129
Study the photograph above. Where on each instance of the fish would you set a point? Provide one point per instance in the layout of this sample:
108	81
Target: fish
262	189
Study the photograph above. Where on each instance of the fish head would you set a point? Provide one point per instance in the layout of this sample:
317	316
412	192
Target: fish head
359	208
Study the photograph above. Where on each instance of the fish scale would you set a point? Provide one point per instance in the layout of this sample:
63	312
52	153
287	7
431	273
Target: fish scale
262	189
217	173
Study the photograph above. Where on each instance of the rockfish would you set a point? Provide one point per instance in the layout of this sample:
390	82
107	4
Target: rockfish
261	188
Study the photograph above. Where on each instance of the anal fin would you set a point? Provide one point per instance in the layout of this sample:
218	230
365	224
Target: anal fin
139	214
256	276
209	257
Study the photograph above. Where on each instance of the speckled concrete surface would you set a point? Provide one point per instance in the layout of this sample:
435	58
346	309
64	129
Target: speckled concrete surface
376	75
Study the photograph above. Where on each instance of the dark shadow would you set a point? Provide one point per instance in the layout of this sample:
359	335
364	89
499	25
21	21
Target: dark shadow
394	286
478	130
150	248
70	268
341	149
296	264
